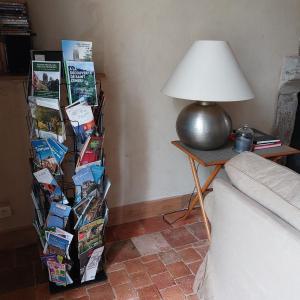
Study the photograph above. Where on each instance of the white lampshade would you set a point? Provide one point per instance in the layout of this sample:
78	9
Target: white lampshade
208	72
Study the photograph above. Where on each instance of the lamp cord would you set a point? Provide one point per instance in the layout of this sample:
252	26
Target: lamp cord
183	209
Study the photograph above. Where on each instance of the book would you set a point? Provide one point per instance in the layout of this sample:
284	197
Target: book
77	50
81	117
263	138
266	146
46	79
50	187
84	183
81	82
58	215
44	156
47	118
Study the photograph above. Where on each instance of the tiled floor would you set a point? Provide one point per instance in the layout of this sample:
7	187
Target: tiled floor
147	259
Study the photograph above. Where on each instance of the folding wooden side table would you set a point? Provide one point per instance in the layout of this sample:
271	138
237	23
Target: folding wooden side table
217	158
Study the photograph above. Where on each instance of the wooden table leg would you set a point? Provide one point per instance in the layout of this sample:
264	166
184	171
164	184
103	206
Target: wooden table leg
191	207
200	196
206	185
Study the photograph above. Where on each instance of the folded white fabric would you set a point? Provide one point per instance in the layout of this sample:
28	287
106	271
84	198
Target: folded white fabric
275	187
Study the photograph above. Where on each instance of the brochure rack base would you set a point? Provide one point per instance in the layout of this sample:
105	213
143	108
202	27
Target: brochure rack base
53	288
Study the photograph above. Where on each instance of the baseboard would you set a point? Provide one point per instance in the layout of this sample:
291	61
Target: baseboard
146	209
24	236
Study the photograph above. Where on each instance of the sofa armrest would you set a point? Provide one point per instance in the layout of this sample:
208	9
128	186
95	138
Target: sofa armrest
253	253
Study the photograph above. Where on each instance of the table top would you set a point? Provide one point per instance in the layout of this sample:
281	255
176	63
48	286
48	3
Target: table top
222	155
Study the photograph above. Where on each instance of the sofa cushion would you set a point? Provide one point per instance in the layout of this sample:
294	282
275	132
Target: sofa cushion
275	187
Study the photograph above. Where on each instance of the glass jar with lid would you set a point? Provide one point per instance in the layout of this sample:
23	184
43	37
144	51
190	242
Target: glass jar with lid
243	139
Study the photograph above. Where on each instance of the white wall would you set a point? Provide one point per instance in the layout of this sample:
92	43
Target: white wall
137	44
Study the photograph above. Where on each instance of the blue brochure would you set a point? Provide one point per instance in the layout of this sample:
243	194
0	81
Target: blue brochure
58	149
84	182
58	215
44	156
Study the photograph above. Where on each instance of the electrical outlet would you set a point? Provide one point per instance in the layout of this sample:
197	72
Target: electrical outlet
5	211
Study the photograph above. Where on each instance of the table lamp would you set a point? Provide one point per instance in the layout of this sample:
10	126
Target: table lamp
207	74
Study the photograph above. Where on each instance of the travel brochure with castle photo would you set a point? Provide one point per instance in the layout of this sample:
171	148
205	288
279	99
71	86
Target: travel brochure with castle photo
46	79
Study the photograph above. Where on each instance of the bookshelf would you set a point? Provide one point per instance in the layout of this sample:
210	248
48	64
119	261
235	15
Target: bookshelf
15	37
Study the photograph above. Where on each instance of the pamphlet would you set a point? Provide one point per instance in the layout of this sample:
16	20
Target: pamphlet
82	119
58	215
58	242
44	156
77	50
58	149
47	119
50	186
57	272
91	150
46	79
84	183
89	272
81	82
89	236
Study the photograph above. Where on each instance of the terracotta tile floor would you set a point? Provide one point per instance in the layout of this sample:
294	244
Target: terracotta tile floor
146	259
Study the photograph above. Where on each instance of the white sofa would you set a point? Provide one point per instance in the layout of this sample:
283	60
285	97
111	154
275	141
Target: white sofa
255	226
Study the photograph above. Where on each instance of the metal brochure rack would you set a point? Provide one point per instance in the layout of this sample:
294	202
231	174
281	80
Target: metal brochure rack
74	265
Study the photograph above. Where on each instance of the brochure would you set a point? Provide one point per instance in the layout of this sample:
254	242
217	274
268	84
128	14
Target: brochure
89	271
49	185
58	242
44	156
96	163
77	50
84	183
93	211
82	119
46	79
58	215
89	236
47	118
57	272
81	82
91	150
58	149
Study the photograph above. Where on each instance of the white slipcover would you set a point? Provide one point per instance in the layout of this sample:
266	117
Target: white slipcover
255	245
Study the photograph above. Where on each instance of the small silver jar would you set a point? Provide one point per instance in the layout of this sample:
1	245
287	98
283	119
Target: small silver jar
243	139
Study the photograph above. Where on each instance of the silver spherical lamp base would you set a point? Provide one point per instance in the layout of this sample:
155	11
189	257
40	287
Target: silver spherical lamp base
203	125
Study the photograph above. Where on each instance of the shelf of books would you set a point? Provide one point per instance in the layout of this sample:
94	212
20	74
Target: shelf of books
68	165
